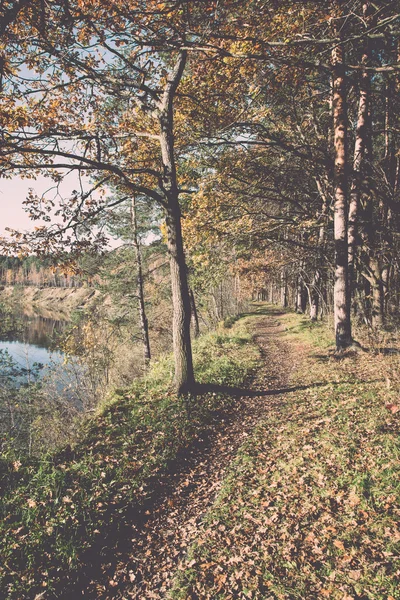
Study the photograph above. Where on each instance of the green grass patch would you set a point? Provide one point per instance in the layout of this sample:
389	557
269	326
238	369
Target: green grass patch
316	333
311	506
57	509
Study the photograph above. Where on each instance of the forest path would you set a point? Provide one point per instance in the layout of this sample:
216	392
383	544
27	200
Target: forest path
144	566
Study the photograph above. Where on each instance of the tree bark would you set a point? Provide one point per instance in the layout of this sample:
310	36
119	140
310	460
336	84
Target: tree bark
144	325
314	296
314	287
301	295
195	316
341	287
184	373
377	313
362	143
385	284
284	300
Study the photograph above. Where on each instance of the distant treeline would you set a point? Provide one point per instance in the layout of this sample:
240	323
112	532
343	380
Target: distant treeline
42	272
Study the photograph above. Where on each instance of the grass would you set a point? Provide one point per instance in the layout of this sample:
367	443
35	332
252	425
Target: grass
311	506
57	512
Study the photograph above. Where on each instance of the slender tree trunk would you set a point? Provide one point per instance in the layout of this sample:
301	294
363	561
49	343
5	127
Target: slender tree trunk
297	304
385	283
390	150
284	300
360	148
314	295
144	325
195	316
216	308
314	288
341	287
184	372
301	298
377	313
237	293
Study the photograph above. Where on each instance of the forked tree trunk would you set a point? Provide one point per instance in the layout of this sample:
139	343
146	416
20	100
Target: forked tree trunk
341	287
184	373
144	325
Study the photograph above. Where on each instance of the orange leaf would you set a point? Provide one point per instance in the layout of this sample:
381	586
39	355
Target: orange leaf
339	545
393	408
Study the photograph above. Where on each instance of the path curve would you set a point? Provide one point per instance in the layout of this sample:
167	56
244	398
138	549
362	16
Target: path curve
146	565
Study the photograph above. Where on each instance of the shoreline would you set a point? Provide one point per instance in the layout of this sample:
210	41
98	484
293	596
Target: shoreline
50	297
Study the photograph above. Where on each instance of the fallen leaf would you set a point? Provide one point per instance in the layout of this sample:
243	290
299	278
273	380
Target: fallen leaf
339	545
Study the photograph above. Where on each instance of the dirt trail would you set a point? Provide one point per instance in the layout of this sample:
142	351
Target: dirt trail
145	566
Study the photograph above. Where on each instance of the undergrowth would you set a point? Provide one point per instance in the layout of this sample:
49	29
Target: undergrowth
58	511
311	506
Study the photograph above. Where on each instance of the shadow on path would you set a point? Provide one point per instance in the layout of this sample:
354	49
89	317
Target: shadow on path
205	388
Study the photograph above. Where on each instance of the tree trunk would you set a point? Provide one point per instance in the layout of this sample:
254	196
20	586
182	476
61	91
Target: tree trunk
341	287
184	373
301	297
314	288
314	295
144	325
284	301
362	143
386	290
377	309
195	316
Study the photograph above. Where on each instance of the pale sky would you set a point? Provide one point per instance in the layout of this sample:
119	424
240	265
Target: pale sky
14	191
12	194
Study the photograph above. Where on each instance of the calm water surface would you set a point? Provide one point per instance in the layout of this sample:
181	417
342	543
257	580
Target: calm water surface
30	338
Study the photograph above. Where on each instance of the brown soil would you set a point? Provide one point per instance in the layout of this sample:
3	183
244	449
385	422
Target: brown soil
144	563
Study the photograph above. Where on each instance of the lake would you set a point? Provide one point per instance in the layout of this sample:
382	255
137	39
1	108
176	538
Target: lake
29	337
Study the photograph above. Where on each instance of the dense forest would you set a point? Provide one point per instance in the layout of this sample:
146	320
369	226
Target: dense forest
238	152
38	272
266	132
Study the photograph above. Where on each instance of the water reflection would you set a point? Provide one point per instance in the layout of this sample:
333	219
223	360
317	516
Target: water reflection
29	337
35	330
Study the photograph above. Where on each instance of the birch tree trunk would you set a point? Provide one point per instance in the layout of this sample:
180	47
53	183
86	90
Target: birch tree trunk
341	287
314	287
362	143
314	295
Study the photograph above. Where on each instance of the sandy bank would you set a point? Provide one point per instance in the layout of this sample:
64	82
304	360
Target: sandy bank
51	297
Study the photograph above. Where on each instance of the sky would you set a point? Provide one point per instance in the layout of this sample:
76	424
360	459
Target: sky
12	194
14	191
